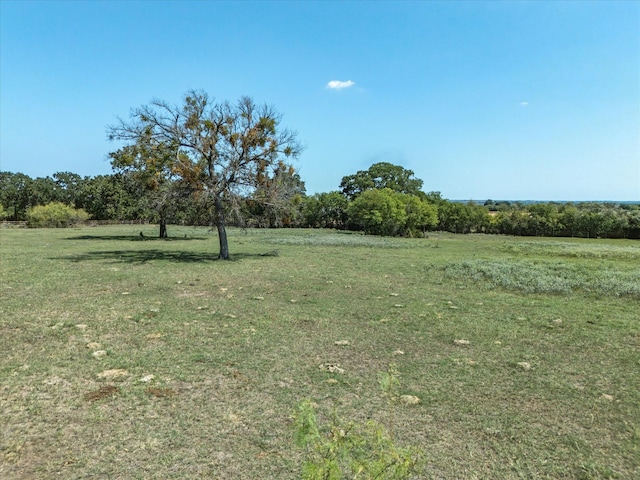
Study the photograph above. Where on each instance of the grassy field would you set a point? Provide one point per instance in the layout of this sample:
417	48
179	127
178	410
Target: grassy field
129	357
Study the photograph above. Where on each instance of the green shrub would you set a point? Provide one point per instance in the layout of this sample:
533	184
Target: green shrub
389	213
350	450
55	214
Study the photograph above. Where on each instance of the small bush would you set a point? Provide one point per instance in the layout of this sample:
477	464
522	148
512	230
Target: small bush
55	215
350	450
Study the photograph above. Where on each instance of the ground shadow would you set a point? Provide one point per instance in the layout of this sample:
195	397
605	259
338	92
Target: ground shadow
143	256
135	238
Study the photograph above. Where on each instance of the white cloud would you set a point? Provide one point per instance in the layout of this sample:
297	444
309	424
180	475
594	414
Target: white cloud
524	104
339	84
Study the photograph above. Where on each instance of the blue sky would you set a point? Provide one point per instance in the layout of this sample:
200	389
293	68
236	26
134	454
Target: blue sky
503	100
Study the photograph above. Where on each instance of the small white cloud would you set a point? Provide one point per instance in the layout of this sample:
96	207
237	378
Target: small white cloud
339	84
524	104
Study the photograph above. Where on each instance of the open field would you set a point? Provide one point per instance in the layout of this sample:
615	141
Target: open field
129	357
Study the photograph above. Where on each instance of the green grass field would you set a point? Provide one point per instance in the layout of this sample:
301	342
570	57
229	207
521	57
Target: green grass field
129	357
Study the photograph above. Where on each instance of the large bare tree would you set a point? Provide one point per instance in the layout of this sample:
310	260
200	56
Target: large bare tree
222	150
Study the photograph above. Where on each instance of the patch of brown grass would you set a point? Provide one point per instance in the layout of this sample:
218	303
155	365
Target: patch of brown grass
102	392
160	392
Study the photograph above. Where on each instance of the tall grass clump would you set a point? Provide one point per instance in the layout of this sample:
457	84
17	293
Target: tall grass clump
546	277
574	250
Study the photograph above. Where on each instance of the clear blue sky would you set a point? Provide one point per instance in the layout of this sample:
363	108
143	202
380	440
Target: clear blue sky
503	100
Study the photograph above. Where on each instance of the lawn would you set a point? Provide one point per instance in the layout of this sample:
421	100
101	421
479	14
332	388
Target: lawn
131	357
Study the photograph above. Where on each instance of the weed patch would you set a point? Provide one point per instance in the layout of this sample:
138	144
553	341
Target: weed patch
546	277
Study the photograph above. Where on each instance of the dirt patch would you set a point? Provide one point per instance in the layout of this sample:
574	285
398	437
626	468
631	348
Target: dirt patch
160	392
102	392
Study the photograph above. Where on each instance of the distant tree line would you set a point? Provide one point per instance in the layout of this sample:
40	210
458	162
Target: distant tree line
386	199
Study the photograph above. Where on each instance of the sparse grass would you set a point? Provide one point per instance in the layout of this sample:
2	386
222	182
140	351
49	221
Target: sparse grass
207	360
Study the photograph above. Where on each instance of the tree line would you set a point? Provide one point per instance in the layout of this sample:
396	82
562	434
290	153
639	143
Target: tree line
383	208
204	162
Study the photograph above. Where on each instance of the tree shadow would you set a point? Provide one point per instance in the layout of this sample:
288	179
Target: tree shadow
135	238
144	256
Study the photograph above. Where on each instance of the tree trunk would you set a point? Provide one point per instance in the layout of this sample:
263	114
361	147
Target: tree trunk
163	227
222	232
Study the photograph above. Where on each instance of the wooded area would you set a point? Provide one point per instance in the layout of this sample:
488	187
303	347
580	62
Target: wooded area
119	197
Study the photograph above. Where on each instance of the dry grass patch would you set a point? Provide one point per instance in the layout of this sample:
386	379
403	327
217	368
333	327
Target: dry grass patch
103	392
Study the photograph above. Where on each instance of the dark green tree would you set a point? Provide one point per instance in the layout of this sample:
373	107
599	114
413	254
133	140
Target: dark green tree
380	176
15	194
325	210
43	190
111	197
69	187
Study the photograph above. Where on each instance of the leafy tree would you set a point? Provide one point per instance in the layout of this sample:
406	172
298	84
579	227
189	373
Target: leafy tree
325	210
432	197
111	197
378	212
380	176
15	193
43	191
458	217
150	164
592	224
223	149
69	186
544	219
421	215
632	229
569	215
385	212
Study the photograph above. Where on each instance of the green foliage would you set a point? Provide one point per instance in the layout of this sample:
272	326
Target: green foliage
325	210
4	214
149	164
380	176
222	150
154	183
112	197
350	450
385	212
390	382
15	193
421	215
378	212
56	215
457	217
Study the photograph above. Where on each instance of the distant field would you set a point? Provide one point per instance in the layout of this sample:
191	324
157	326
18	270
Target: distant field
130	357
